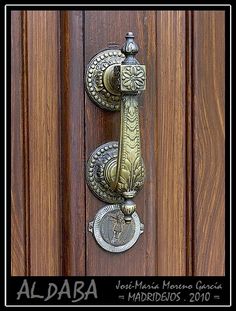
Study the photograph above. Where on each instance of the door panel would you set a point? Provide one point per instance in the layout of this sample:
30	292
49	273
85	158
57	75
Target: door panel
208	140
18	251
43	110
171	143
55	127
72	144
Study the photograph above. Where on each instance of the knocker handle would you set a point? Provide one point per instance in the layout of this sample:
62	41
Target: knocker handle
129	79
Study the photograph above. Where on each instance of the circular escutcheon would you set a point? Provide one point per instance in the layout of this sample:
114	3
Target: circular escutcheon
95	173
95	87
112	233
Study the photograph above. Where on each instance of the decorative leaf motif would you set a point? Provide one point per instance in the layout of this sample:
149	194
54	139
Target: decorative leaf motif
125	174
131	175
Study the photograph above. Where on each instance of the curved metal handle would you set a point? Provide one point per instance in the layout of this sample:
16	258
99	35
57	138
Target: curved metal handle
128	177
116	76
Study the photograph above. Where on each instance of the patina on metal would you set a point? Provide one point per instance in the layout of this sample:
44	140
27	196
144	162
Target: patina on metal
115	170
111	232
99	86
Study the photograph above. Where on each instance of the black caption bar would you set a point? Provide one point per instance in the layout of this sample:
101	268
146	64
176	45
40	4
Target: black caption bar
118	291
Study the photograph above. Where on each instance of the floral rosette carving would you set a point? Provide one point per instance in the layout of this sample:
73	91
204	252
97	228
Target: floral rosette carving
133	78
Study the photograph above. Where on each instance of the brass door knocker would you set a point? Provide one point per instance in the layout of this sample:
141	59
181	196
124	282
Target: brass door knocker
115	170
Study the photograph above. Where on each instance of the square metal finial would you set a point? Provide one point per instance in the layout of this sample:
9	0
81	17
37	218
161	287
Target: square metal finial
132	78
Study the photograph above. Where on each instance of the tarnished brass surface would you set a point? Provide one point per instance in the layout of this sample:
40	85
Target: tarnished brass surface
98	79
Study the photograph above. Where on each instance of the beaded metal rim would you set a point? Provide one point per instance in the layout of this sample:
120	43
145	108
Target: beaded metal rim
95	172
139	227
94	79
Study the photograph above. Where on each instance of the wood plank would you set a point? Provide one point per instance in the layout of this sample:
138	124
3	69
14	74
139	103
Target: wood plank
171	142
209	156
18	251
189	145
72	149
102	126
44	143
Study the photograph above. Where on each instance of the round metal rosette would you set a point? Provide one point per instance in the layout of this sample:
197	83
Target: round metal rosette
96	87
112	233
95	172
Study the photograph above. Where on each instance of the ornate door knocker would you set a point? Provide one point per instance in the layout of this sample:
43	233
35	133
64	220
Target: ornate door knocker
115	170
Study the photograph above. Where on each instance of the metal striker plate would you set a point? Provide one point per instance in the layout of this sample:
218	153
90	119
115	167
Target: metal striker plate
112	233
104	97
95	173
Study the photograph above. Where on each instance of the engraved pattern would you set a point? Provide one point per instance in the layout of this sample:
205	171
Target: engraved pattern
133	78
94	79
114	230
130	171
101	235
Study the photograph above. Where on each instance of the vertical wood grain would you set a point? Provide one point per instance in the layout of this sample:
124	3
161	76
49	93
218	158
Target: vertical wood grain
171	142
18	243
72	151
44	145
189	145
102	126
208	142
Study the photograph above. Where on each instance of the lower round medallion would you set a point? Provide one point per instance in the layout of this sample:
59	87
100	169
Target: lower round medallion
112	233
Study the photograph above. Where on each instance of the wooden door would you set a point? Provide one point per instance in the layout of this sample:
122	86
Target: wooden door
55	127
